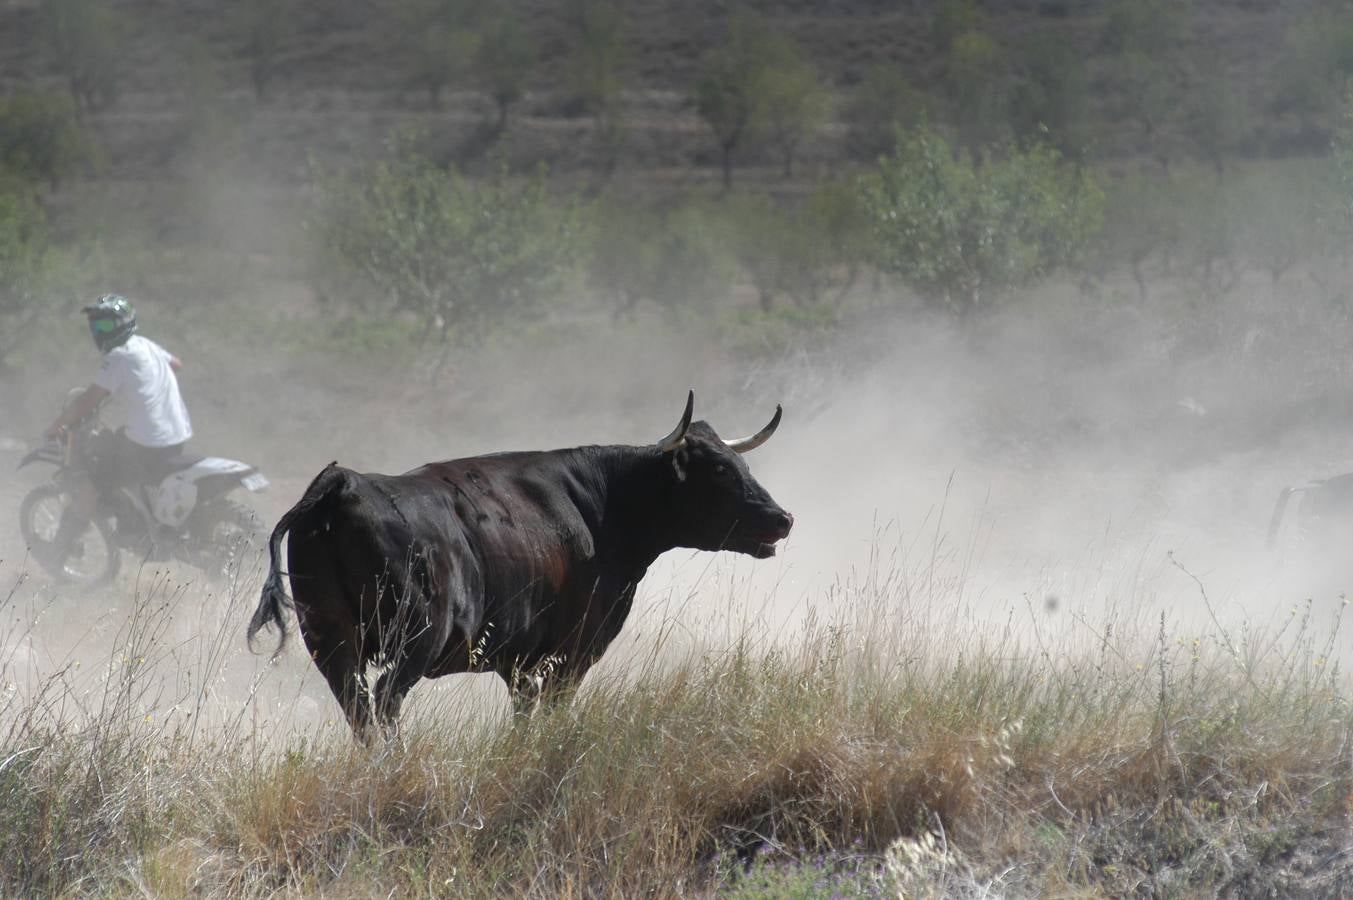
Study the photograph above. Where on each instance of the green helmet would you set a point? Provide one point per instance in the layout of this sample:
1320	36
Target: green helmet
112	319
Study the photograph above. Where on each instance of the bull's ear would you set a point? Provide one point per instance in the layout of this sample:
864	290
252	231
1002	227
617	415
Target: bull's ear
681	458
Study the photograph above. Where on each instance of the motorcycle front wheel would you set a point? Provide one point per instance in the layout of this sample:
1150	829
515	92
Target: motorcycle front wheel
93	558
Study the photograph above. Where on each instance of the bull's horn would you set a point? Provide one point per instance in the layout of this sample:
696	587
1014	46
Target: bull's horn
674	440
742	445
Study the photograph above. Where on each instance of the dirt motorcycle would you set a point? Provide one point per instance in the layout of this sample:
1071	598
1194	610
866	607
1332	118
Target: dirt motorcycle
184	514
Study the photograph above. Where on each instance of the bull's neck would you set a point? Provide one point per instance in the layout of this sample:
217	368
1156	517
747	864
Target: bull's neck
632	489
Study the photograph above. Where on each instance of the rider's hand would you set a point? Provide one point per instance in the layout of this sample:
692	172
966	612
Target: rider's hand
55	433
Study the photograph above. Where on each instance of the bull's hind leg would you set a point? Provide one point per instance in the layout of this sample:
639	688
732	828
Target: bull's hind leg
337	661
539	685
418	649
327	613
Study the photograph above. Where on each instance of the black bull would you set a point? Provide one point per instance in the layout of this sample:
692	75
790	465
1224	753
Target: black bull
523	564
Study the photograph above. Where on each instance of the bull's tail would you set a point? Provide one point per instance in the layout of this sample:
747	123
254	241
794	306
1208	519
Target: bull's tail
274	602
1276	523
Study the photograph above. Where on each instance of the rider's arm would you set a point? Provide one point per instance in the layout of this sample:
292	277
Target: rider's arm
82	406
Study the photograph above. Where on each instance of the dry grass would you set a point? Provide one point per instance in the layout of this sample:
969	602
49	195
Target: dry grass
892	751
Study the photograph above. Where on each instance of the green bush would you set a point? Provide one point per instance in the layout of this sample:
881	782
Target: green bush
1210	245
466	256
762	238
836	245
23	265
40	137
622	255
963	228
811	250
678	258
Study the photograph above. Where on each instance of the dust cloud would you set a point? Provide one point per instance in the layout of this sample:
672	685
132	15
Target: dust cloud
1076	450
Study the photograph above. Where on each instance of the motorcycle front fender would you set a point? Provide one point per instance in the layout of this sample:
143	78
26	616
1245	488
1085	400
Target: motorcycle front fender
48	453
35	456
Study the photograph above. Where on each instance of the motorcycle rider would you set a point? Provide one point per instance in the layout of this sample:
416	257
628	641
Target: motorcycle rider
139	375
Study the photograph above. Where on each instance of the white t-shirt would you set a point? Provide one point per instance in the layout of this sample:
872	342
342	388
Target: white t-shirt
142	383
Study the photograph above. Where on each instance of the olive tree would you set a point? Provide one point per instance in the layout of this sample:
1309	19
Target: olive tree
951	19
1316	62
723	91
464	255
757	84
438	39
599	58
1218	122
263	25
975	83
1146	26
1145	40
83	37
502	64
789	104
1143	221
1342	147
1050	99
1286	221
40	137
882	102
963	228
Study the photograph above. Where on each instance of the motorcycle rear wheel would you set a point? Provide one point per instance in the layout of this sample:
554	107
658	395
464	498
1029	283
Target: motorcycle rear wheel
228	535
94	558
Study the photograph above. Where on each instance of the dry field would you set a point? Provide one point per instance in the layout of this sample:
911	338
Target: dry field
1025	641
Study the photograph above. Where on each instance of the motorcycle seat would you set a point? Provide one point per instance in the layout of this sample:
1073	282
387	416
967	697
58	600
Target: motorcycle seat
172	464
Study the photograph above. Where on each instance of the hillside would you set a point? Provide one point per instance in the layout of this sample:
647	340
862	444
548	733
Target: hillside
342	84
